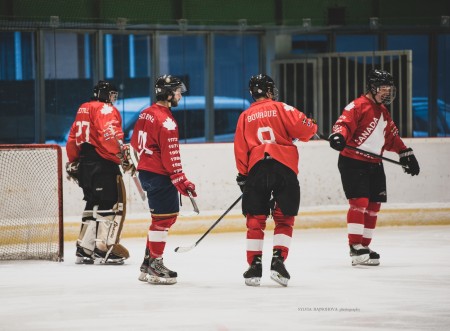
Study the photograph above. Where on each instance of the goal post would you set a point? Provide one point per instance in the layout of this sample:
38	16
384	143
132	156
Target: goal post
31	202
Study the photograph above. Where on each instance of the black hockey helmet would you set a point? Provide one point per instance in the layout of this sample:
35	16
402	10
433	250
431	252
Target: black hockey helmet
166	86
377	78
105	92
260	85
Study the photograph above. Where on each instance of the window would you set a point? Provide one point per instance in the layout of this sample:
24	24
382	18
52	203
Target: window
419	45
17	87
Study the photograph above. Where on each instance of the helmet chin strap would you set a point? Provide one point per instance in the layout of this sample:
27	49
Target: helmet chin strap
374	96
375	99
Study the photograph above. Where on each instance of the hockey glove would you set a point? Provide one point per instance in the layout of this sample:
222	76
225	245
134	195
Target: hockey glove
182	184
409	162
241	180
337	141
72	171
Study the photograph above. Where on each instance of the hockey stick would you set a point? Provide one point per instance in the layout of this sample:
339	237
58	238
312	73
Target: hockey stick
194	204
364	152
188	248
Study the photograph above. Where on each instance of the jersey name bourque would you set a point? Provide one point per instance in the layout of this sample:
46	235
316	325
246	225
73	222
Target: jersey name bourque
261	114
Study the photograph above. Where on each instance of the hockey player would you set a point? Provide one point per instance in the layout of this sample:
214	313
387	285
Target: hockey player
365	123
94	158
155	138
267	164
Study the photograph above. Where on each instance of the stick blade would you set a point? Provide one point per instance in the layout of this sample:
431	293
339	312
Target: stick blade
194	203
184	249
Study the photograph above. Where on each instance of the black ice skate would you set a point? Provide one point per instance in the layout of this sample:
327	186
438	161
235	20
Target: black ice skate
278	271
374	258
144	266
111	259
159	274
359	254
254	273
83	257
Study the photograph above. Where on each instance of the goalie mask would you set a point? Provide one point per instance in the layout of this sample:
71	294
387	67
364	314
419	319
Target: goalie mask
105	92
381	83
261	85
166	86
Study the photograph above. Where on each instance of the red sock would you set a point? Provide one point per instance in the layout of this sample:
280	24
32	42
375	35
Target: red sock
157	235
370	221
256	224
355	220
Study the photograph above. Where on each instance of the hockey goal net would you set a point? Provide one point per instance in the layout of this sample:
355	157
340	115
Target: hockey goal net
31	208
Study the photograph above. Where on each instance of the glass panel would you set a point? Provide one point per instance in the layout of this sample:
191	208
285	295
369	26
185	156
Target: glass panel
68	72
17	87
443	93
356	43
127	64
309	44
185	57
419	45
236	60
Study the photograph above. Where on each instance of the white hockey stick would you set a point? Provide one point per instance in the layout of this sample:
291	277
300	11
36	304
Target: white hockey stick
188	248
194	204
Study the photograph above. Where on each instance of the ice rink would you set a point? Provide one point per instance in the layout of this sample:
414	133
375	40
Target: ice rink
410	290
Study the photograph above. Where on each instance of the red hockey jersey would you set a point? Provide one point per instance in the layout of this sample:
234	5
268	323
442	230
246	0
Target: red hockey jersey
269	127
98	124
368	126
155	138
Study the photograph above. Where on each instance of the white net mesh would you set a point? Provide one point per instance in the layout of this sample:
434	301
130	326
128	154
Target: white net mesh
31	202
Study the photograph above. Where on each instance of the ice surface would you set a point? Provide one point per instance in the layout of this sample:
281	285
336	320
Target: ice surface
410	290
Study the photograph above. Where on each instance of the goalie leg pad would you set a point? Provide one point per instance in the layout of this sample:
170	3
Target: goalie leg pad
110	228
86	238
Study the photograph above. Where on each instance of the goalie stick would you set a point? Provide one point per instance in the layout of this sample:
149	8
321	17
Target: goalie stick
363	151
182	249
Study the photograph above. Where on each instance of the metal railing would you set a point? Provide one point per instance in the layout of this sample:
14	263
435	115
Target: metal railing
321	85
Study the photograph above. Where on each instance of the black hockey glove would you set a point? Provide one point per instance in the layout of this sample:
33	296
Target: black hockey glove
241	180
409	162
337	141
72	171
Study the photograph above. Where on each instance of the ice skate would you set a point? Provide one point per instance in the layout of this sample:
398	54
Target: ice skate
144	269
158	273
278	271
254	273
111	259
374	258
82	256
144	266
359	254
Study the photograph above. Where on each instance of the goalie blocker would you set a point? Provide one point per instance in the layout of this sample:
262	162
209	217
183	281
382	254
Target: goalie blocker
99	238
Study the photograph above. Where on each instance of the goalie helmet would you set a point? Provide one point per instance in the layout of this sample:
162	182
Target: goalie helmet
260	85
166	86
105	92
380	78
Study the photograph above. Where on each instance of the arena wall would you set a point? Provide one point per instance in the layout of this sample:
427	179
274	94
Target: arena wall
423	199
